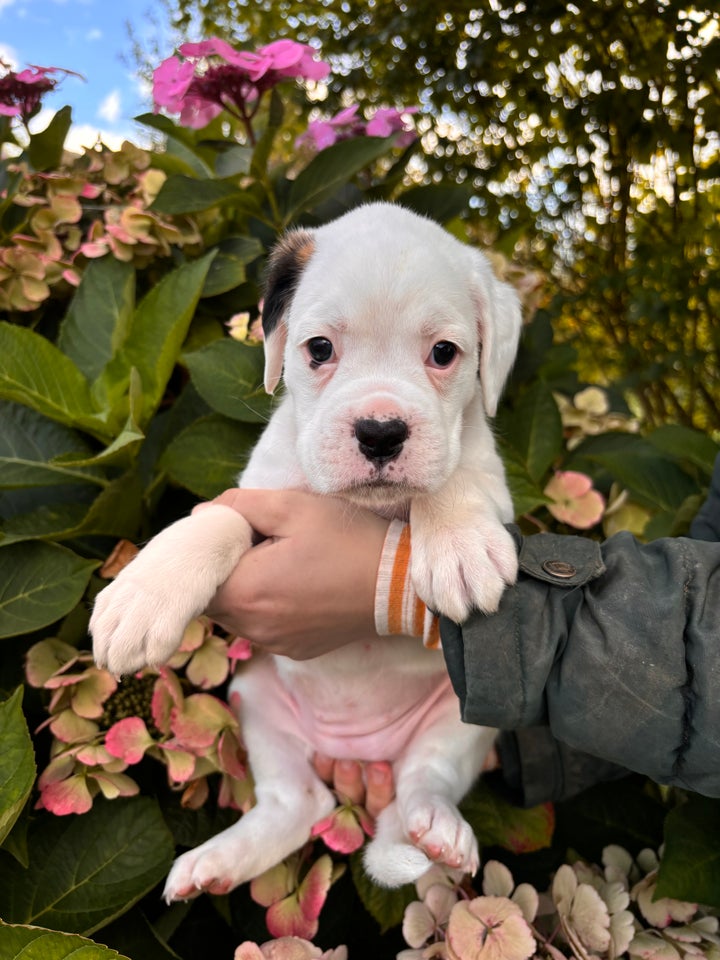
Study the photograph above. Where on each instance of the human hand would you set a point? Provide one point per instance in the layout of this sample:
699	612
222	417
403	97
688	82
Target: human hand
309	585
370	785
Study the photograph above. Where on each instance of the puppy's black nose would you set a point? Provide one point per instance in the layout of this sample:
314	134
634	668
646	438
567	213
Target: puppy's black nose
381	440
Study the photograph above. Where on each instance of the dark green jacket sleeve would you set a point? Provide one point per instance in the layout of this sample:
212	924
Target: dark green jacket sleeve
615	647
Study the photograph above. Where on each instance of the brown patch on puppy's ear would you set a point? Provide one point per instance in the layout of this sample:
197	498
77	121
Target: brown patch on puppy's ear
286	264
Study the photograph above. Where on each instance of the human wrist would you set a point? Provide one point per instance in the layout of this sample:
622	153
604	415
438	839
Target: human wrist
398	609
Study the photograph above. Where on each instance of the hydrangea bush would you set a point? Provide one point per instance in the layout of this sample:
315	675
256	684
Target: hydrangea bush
130	387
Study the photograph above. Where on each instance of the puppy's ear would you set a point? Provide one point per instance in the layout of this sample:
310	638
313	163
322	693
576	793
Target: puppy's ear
500	321
286	264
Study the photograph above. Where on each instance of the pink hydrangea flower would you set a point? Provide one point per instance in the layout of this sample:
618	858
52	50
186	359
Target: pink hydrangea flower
287	948
346	124
293	908
345	829
213	76
387	120
488	928
21	93
324	133
574	501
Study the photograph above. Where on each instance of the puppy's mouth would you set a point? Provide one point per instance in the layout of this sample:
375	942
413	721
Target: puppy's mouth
379	490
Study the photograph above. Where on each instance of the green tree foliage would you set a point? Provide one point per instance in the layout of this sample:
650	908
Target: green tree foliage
588	134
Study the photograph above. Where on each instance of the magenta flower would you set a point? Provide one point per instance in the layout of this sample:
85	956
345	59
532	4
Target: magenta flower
199	88
575	502
20	93
387	120
346	124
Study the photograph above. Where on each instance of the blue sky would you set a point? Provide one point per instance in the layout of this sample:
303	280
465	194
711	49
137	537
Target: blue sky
90	37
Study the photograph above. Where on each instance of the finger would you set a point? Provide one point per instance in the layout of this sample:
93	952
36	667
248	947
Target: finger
380	787
348	780
267	511
324	767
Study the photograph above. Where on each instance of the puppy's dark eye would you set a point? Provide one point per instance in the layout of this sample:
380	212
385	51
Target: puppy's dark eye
320	349
443	353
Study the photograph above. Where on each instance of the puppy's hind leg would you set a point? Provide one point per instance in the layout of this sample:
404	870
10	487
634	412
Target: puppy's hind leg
423	825
290	797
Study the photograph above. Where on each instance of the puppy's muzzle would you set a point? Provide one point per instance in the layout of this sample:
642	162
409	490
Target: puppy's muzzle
381	440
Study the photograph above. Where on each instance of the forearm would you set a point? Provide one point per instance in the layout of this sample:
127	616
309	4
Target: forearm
619	659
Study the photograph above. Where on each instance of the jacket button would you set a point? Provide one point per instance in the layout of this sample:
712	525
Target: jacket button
560	569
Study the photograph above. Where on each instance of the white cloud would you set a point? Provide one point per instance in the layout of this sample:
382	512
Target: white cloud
110	107
94	34
5	3
8	55
87	134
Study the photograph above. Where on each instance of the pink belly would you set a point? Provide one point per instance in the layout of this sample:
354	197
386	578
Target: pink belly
374	727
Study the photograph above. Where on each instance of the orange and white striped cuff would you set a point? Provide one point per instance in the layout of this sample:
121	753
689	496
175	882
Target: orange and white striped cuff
398	609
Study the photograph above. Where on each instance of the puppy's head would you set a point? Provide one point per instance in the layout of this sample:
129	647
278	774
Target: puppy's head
391	334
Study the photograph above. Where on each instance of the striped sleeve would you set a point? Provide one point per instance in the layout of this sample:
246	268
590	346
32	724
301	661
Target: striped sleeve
398	609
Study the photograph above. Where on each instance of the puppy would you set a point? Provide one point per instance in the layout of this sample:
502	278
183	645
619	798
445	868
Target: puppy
395	340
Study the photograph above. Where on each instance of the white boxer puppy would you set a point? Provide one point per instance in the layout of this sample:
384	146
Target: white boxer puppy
395	340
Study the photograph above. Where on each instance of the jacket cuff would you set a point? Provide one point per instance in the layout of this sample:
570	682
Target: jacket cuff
499	663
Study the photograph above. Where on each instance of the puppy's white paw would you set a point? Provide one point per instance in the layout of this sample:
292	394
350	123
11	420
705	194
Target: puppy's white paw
464	565
140	618
139	621
209	868
439	830
394	864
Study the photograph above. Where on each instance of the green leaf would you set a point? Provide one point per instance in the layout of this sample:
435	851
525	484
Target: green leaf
121	450
181	194
526	494
34	943
44	151
621	811
439	201
232	158
331	169
207	456
39	584
386	906
17	762
99	316
227	270
685	444
227	374
690	865
115	512
29	445
136	937
533	429
158	330
86	870
35	373
498	823
653	480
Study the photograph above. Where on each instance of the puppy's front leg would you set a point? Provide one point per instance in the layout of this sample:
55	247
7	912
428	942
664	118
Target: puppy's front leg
140	618
462	555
